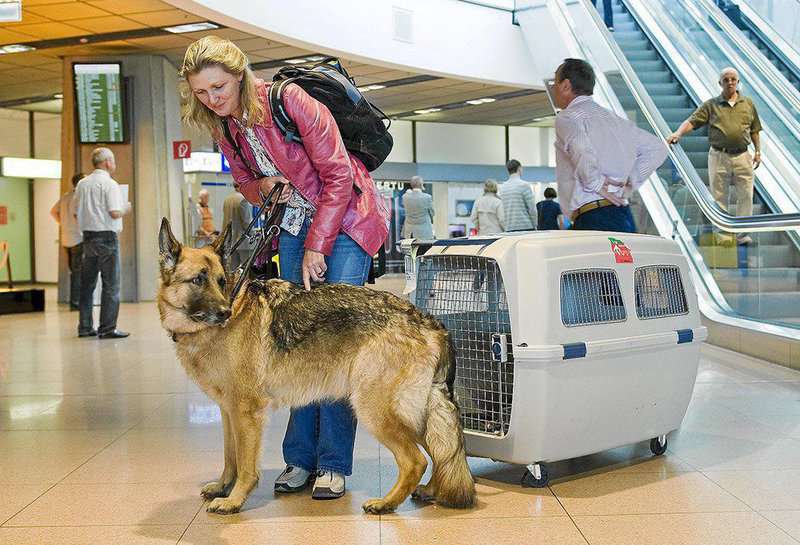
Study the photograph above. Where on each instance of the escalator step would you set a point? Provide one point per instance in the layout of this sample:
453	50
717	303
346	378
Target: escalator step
634	45
648	65
646	55
659	89
655	77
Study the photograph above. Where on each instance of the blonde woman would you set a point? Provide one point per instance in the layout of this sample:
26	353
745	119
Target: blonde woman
329	233
487	212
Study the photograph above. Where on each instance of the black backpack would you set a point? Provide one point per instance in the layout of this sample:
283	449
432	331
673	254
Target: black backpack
360	122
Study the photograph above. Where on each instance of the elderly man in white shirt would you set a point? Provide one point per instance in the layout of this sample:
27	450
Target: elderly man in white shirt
601	158
100	210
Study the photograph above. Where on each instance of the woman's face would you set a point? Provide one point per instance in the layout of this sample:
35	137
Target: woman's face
216	89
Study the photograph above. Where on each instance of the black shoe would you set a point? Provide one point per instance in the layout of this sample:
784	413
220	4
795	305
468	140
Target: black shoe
90	333
116	334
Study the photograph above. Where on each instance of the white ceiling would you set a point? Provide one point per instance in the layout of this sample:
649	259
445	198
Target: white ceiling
39	73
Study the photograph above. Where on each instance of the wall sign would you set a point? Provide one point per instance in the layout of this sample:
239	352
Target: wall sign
181	149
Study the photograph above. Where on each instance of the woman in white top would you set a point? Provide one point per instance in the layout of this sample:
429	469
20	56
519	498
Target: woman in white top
487	213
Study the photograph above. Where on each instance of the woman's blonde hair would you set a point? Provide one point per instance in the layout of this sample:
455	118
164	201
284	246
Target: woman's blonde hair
490	186
216	51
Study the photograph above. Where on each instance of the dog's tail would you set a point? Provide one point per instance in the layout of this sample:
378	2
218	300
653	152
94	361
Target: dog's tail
454	485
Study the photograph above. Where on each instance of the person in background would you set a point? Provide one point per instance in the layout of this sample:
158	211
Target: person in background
99	211
548	211
204	212
601	158
733	123
419	212
519	208
237	212
487	212
64	212
608	14
335	221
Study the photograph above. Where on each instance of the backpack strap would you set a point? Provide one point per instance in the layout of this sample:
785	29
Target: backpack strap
282	119
279	115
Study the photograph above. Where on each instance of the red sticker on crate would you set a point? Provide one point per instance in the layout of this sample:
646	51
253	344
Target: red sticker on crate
622	254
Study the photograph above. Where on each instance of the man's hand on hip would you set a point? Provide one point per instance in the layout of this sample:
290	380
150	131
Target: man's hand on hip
612	197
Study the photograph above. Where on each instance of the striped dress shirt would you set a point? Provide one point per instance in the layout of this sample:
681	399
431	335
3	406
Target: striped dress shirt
519	208
592	143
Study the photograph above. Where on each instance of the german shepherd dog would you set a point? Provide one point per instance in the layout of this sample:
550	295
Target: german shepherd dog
279	345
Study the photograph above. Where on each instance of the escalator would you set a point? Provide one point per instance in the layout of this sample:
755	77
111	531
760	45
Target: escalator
756	30
760	281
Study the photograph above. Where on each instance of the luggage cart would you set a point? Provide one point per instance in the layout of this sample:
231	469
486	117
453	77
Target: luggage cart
567	343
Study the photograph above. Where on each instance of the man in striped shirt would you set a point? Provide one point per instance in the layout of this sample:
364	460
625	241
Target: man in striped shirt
519	207
601	158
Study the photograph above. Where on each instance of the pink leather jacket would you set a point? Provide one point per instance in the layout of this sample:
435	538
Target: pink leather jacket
321	169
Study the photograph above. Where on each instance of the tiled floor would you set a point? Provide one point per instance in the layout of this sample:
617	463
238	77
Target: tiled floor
107	442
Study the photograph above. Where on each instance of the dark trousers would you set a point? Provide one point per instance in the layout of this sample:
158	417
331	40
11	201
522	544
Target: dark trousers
608	218
608	15
100	256
74	258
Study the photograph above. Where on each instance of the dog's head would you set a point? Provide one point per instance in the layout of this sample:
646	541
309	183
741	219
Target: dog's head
193	293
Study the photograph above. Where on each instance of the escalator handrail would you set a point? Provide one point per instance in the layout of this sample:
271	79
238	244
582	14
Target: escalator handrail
761	26
695	75
766	68
708	206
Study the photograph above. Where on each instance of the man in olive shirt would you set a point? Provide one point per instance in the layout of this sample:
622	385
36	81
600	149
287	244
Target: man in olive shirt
733	123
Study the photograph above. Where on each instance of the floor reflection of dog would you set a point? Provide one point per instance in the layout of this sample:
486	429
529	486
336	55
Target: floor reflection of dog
279	345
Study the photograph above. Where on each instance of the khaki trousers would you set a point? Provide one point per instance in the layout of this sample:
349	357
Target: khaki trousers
724	169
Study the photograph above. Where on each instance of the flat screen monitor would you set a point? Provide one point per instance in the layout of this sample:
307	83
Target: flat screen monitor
99	101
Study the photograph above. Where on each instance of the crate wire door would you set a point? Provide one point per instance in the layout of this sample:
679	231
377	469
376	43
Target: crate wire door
659	292
467	295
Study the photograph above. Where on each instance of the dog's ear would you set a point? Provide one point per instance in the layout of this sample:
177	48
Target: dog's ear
222	242
169	248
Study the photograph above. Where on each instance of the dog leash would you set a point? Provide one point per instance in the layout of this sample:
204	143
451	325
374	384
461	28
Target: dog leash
269	231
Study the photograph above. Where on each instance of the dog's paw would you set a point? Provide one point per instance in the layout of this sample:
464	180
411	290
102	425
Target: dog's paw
423	493
212	490
377	506
224	506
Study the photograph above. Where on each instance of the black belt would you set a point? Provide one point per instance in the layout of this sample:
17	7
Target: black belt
730	151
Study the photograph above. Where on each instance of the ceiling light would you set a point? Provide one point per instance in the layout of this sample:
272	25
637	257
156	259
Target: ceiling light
477	101
11	11
15	48
299	60
371	88
191	27
427	111
58	95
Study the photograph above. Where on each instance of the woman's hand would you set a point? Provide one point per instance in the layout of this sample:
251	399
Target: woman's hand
266	184
314	268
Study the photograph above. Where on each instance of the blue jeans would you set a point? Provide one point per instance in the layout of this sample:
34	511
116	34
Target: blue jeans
608	218
608	14
321	436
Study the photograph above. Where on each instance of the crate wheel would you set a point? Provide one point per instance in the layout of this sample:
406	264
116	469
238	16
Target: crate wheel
658	445
535	476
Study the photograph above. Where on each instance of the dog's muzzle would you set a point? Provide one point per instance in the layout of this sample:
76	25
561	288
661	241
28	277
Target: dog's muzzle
217	317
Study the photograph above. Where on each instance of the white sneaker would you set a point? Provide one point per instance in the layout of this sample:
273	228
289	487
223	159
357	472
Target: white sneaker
293	479
328	486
